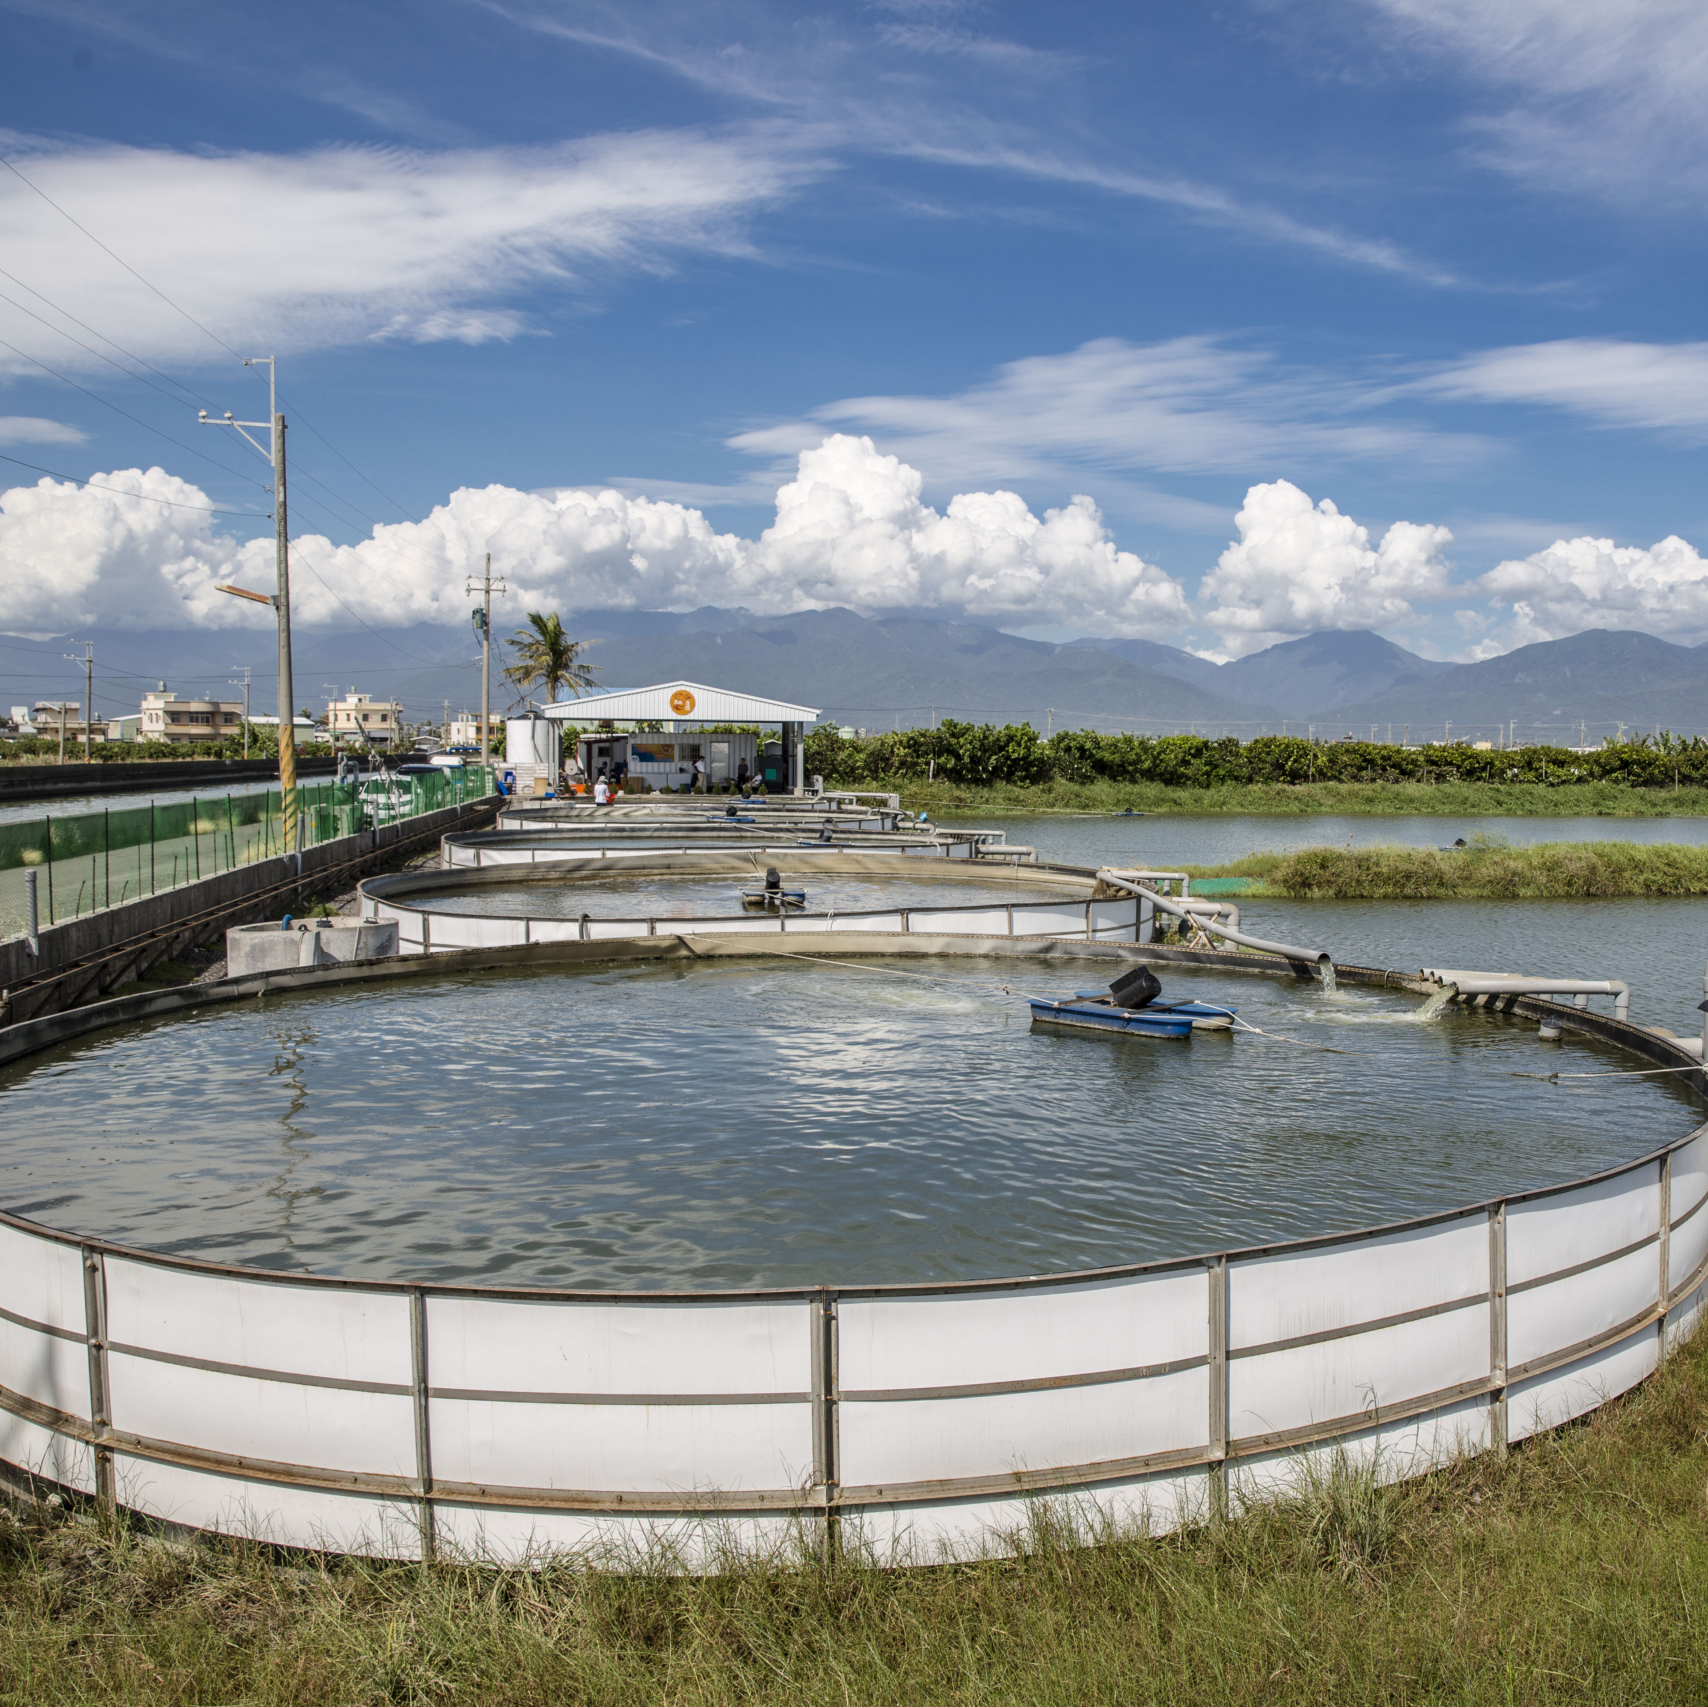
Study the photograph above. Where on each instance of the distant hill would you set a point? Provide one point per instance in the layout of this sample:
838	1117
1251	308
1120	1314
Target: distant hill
870	673
1326	670
876	673
1601	679
1298	677
879	672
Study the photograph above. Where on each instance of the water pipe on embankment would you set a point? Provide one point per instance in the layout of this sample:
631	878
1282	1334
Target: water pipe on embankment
1500	984
1197	912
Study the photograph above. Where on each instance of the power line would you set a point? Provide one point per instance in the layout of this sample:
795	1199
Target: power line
99	355
401	509
120	259
96	485
147	426
189	391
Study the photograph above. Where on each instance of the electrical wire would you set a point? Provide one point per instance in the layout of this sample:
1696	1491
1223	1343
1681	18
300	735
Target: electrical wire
194	395
97	486
147	426
119	258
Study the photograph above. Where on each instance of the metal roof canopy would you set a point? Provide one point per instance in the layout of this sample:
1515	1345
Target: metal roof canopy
678	702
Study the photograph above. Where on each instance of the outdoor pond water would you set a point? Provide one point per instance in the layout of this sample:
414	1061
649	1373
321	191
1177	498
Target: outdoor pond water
1166	839
772	1122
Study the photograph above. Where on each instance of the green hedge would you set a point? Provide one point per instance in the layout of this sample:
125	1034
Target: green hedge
39	749
982	754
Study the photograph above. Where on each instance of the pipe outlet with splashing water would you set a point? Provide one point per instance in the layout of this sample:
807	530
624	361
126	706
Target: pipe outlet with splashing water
1195	912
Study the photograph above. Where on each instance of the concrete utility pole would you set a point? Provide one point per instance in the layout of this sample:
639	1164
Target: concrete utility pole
244	684
281	600
483	620
88	663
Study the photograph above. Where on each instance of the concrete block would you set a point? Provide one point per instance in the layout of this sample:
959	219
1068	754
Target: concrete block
308	942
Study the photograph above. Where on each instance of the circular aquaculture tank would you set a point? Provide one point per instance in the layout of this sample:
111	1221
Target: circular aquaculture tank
780	1121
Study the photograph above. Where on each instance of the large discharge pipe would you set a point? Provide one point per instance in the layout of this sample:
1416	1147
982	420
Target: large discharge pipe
1192	914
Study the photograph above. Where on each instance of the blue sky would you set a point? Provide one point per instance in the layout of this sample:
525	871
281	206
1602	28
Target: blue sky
1435	262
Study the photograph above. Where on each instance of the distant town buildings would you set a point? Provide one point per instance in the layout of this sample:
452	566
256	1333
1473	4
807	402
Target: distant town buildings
360	717
166	717
464	729
47	715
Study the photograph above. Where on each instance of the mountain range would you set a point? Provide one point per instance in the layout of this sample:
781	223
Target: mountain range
905	669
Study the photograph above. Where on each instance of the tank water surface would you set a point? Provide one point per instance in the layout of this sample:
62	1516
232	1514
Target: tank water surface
781	1121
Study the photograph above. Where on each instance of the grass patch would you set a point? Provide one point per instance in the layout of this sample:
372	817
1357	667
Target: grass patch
1574	1571
1283	800
1490	868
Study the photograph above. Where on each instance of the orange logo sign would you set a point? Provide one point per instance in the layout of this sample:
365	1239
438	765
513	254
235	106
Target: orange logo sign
682	702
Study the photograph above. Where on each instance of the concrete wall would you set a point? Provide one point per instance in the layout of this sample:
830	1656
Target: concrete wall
87	957
20	783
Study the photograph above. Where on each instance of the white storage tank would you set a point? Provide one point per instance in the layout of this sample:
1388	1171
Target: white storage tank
531	740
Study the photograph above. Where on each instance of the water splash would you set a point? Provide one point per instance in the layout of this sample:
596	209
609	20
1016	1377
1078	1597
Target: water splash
1325	971
1436	1006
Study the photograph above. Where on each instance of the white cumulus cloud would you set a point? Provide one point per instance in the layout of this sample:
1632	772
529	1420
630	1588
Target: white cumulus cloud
851	530
1298	567
143	548
1592	583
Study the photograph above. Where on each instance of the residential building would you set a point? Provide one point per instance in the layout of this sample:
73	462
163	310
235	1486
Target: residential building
464	730
166	717
125	728
361	717
50	713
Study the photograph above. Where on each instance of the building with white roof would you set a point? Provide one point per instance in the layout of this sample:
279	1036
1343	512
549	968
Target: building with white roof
673	724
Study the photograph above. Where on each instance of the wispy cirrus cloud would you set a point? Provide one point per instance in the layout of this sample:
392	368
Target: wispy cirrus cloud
1186	405
876	91
342	244
1581	95
34	430
1612	382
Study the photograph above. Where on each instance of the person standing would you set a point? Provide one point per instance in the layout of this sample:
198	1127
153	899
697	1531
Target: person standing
601	791
700	775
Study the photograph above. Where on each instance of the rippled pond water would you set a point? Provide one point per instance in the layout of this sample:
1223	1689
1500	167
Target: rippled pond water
1166	838
771	1123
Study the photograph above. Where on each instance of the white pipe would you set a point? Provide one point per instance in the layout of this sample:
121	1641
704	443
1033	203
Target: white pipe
1469	985
1183	911
1216	910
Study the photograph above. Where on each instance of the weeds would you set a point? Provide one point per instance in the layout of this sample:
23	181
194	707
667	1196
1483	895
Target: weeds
1575	1570
1488	868
1301	800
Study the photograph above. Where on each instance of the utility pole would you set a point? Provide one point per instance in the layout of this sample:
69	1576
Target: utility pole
280	600
244	684
88	663
483	621
445	727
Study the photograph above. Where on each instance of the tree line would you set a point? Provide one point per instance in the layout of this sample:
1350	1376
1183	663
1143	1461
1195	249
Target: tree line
983	754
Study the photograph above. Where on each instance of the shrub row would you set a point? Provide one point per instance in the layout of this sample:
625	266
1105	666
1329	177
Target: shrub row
983	754
45	749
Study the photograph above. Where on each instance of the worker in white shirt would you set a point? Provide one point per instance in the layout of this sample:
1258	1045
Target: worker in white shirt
601	792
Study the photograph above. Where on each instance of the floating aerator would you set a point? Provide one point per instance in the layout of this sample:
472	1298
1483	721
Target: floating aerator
1135	989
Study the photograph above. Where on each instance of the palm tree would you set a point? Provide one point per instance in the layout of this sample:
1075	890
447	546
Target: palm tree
544	653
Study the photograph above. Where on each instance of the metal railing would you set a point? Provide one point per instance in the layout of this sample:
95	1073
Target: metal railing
88	861
401	1419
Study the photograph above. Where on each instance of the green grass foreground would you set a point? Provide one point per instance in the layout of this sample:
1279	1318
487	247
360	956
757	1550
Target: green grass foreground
1574	1571
1302	800
1488	869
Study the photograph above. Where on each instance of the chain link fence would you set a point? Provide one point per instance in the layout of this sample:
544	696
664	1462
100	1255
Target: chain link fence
90	860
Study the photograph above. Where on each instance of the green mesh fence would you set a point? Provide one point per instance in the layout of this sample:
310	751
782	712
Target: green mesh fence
90	860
